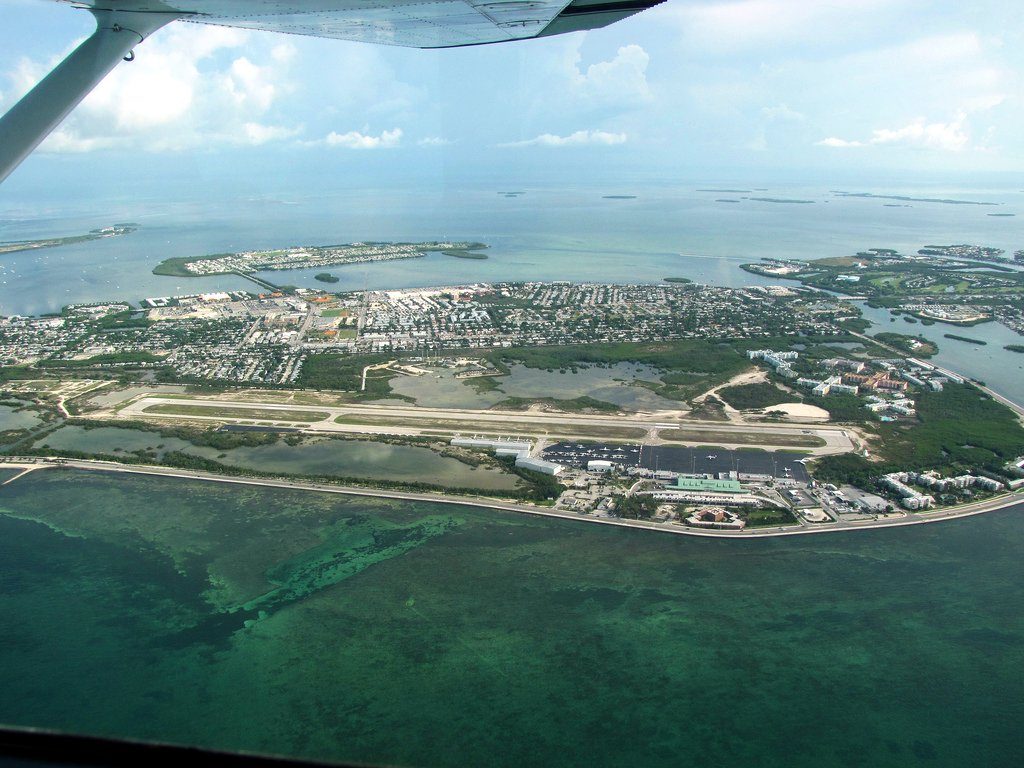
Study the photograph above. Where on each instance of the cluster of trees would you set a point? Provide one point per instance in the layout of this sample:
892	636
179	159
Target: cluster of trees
112	358
129	319
346	372
635	507
957	430
578	404
211	438
749	396
692	355
902	342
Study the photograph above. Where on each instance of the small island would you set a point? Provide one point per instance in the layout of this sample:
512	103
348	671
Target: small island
326	277
918	346
246	263
618	197
460	253
967	339
784	200
907	199
1014	348
54	242
683	280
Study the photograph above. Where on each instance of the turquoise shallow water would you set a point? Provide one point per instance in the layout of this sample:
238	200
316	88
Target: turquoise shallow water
556	232
424	634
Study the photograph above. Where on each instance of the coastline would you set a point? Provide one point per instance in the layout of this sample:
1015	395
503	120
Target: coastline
1003	501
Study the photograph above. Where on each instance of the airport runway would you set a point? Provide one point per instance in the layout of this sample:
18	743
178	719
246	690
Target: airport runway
416	421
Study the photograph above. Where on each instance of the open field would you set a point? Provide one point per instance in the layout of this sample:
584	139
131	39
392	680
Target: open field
232	413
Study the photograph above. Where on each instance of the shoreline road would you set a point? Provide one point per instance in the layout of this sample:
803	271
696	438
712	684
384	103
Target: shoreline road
813	438
910	518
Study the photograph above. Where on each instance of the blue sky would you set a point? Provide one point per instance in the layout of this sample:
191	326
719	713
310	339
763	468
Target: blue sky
700	88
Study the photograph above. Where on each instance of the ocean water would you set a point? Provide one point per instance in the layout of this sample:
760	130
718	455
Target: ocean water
426	634
547	233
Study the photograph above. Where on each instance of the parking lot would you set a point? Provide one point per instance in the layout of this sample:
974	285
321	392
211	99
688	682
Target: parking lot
680	459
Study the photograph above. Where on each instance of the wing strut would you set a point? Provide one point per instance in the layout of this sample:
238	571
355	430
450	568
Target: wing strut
42	109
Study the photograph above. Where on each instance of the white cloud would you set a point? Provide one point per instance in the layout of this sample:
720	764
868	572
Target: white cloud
622	80
257	133
732	25
434	141
836	142
948	137
250	85
63	141
187	88
357	140
283	53
782	113
577	139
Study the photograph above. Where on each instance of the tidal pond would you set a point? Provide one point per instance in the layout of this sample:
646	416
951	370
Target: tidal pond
360	459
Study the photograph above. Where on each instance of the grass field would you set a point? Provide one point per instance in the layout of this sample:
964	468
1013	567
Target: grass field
494	427
238	412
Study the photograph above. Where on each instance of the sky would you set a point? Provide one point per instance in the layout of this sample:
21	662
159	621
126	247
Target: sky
715	89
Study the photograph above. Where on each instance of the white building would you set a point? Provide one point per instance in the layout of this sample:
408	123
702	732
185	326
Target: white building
492	443
538	465
909	497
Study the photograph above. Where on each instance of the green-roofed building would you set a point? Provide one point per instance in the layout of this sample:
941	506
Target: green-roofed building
704	484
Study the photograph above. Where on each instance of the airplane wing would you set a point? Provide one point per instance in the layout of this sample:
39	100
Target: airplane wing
123	24
415	23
